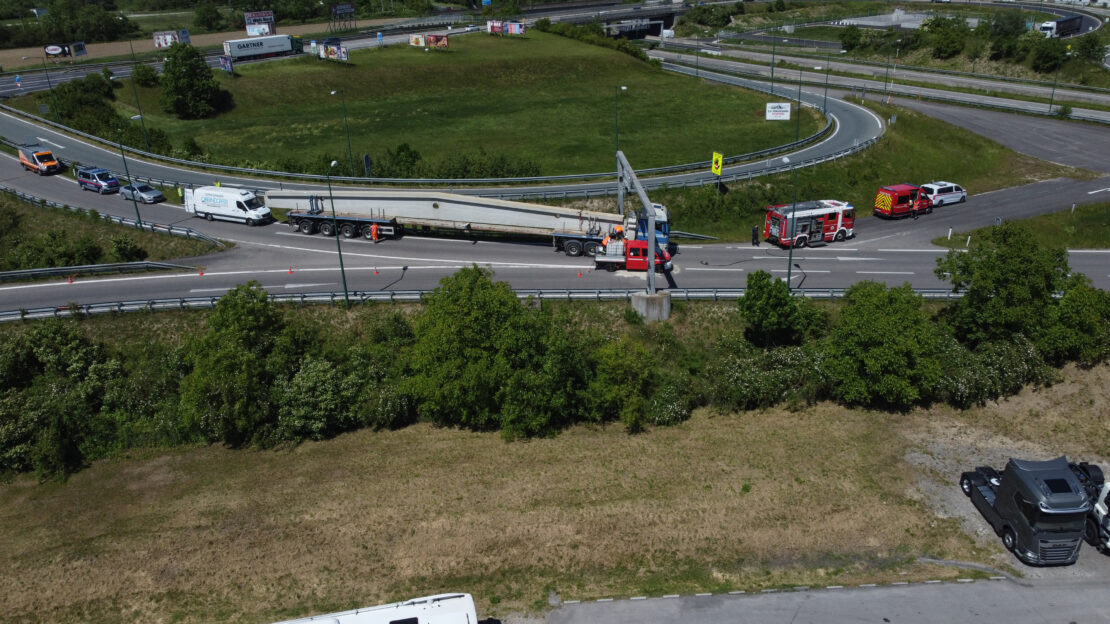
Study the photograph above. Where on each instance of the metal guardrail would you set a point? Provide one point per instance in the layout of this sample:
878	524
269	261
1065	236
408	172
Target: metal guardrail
148	226
415	296
88	269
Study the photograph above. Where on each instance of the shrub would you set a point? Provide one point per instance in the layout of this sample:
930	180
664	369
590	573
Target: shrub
125	249
144	75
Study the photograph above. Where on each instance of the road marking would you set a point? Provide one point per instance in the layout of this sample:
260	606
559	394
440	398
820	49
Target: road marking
50	143
848	259
1080	251
881	238
884	273
915	250
307	285
799	271
1097	191
712	269
413	259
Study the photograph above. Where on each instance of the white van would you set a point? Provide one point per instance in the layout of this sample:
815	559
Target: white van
227	204
438	609
942	193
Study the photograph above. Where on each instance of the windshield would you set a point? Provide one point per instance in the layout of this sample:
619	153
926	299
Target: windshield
1060	523
254	203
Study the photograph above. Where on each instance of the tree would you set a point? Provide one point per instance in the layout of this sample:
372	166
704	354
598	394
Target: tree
189	90
851	37
885	351
1090	48
207	16
948	34
1008	281
144	75
1049	55
774	317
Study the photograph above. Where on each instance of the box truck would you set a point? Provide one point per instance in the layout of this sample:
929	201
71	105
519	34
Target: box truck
263	47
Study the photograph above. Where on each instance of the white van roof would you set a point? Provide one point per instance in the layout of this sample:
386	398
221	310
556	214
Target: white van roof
221	190
438	609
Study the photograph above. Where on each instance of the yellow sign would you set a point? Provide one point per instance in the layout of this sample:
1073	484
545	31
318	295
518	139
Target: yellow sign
718	160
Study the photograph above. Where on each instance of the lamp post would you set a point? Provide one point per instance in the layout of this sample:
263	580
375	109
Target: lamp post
616	117
890	70
53	102
335	228
347	127
136	93
119	138
1052	97
774	41
825	103
798	121
793	227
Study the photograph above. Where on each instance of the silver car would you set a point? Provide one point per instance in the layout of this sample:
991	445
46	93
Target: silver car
143	193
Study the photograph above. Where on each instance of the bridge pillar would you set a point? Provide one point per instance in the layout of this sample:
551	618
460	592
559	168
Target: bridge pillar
652	307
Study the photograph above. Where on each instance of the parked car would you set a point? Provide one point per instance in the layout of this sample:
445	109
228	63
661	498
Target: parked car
942	193
99	180
143	193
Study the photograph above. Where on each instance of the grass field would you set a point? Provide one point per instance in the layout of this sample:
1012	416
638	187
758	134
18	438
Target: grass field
544	98
37	221
1087	227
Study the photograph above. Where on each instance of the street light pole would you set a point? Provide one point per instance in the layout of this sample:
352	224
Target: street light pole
1056	77
119	137
53	102
825	103
347	127
135	91
798	121
774	41
793	230
335	228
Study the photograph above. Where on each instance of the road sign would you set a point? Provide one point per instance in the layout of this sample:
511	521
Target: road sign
718	160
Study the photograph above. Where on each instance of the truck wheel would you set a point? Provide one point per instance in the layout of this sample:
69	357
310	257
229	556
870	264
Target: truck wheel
250	222
208	217
965	485
591	248
573	248
1008	539
367	233
840	236
327	229
348	230
307	227
801	243
1090	533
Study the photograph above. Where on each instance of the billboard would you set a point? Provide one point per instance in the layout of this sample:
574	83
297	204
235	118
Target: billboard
331	52
259	30
227	65
495	27
436	41
259	23
498	27
342	10
78	49
56	50
416	40
778	111
514	28
166	38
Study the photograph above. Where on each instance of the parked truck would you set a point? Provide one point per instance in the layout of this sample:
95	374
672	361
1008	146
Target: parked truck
226	204
1062	27
438	609
572	231
632	256
263	47
36	158
1097	528
1038	507
813	223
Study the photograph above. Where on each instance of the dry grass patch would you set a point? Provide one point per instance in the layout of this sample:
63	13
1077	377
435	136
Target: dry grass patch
749	501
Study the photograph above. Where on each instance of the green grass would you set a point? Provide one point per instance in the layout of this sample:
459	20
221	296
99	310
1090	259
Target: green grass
819	33
545	99
1085	227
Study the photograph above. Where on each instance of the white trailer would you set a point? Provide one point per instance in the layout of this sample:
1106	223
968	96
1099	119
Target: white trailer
260	47
438	609
573	231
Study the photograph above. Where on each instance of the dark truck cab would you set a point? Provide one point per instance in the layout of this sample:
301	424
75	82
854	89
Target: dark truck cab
1038	507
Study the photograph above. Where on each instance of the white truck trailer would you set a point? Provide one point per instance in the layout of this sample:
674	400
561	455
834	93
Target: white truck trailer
572	231
438	609
263	47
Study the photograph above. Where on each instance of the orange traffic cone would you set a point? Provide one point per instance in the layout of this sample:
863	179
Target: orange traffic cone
70	279
290	269
202	272
375	270
579	272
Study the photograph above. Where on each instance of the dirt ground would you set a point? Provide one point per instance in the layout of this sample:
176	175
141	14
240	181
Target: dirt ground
1067	418
32	57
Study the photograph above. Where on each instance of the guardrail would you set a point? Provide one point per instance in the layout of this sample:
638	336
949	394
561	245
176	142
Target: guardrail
88	269
172	230
415	296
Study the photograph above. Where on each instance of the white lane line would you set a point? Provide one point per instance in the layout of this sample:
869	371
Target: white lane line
204	290
799	271
410	258
712	269
848	259
884	273
1097	191
1095	251
307	285
881	238
938	250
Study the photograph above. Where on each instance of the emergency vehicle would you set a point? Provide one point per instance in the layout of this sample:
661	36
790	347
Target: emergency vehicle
35	158
901	200
815	222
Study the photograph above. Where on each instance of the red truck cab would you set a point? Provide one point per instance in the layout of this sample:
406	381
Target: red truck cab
901	200
631	255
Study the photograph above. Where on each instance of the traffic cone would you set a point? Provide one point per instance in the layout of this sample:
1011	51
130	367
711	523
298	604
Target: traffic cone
202	272
70	279
375	270
579	272
290	269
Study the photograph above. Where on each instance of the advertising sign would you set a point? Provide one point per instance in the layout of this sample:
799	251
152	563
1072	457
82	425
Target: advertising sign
436	41
778	111
495	27
166	38
258	30
56	50
332	52
258	17
259	23
514	28
339	10
227	65
416	40
78	49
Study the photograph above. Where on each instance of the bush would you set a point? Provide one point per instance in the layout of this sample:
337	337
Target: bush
125	249
144	75
318	402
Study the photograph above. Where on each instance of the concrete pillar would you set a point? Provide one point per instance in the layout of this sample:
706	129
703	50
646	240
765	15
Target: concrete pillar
652	307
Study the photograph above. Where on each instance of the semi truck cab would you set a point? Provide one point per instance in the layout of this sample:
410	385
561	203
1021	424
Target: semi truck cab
1038	507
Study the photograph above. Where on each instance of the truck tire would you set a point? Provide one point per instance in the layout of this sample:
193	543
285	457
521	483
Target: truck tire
293	224
591	248
348	230
307	227
326	229
1009	540
573	248
840	236
207	217
965	485
801	243
367	233
1090	533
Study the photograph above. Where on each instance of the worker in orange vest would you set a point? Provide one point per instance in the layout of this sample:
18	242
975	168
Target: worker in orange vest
605	242
374	232
618	232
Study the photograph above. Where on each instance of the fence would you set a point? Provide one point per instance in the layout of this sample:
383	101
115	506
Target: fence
88	269
172	230
415	296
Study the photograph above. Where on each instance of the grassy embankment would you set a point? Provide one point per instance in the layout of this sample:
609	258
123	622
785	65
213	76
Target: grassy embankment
543	98
37	222
820	495
1086	227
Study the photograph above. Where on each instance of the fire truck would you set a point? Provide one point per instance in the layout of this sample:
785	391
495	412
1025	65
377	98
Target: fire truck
815	223
901	200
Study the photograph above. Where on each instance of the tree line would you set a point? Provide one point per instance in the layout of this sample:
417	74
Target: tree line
476	357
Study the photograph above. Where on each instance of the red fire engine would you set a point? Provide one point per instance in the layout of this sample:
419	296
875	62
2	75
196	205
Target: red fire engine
814	222
901	200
